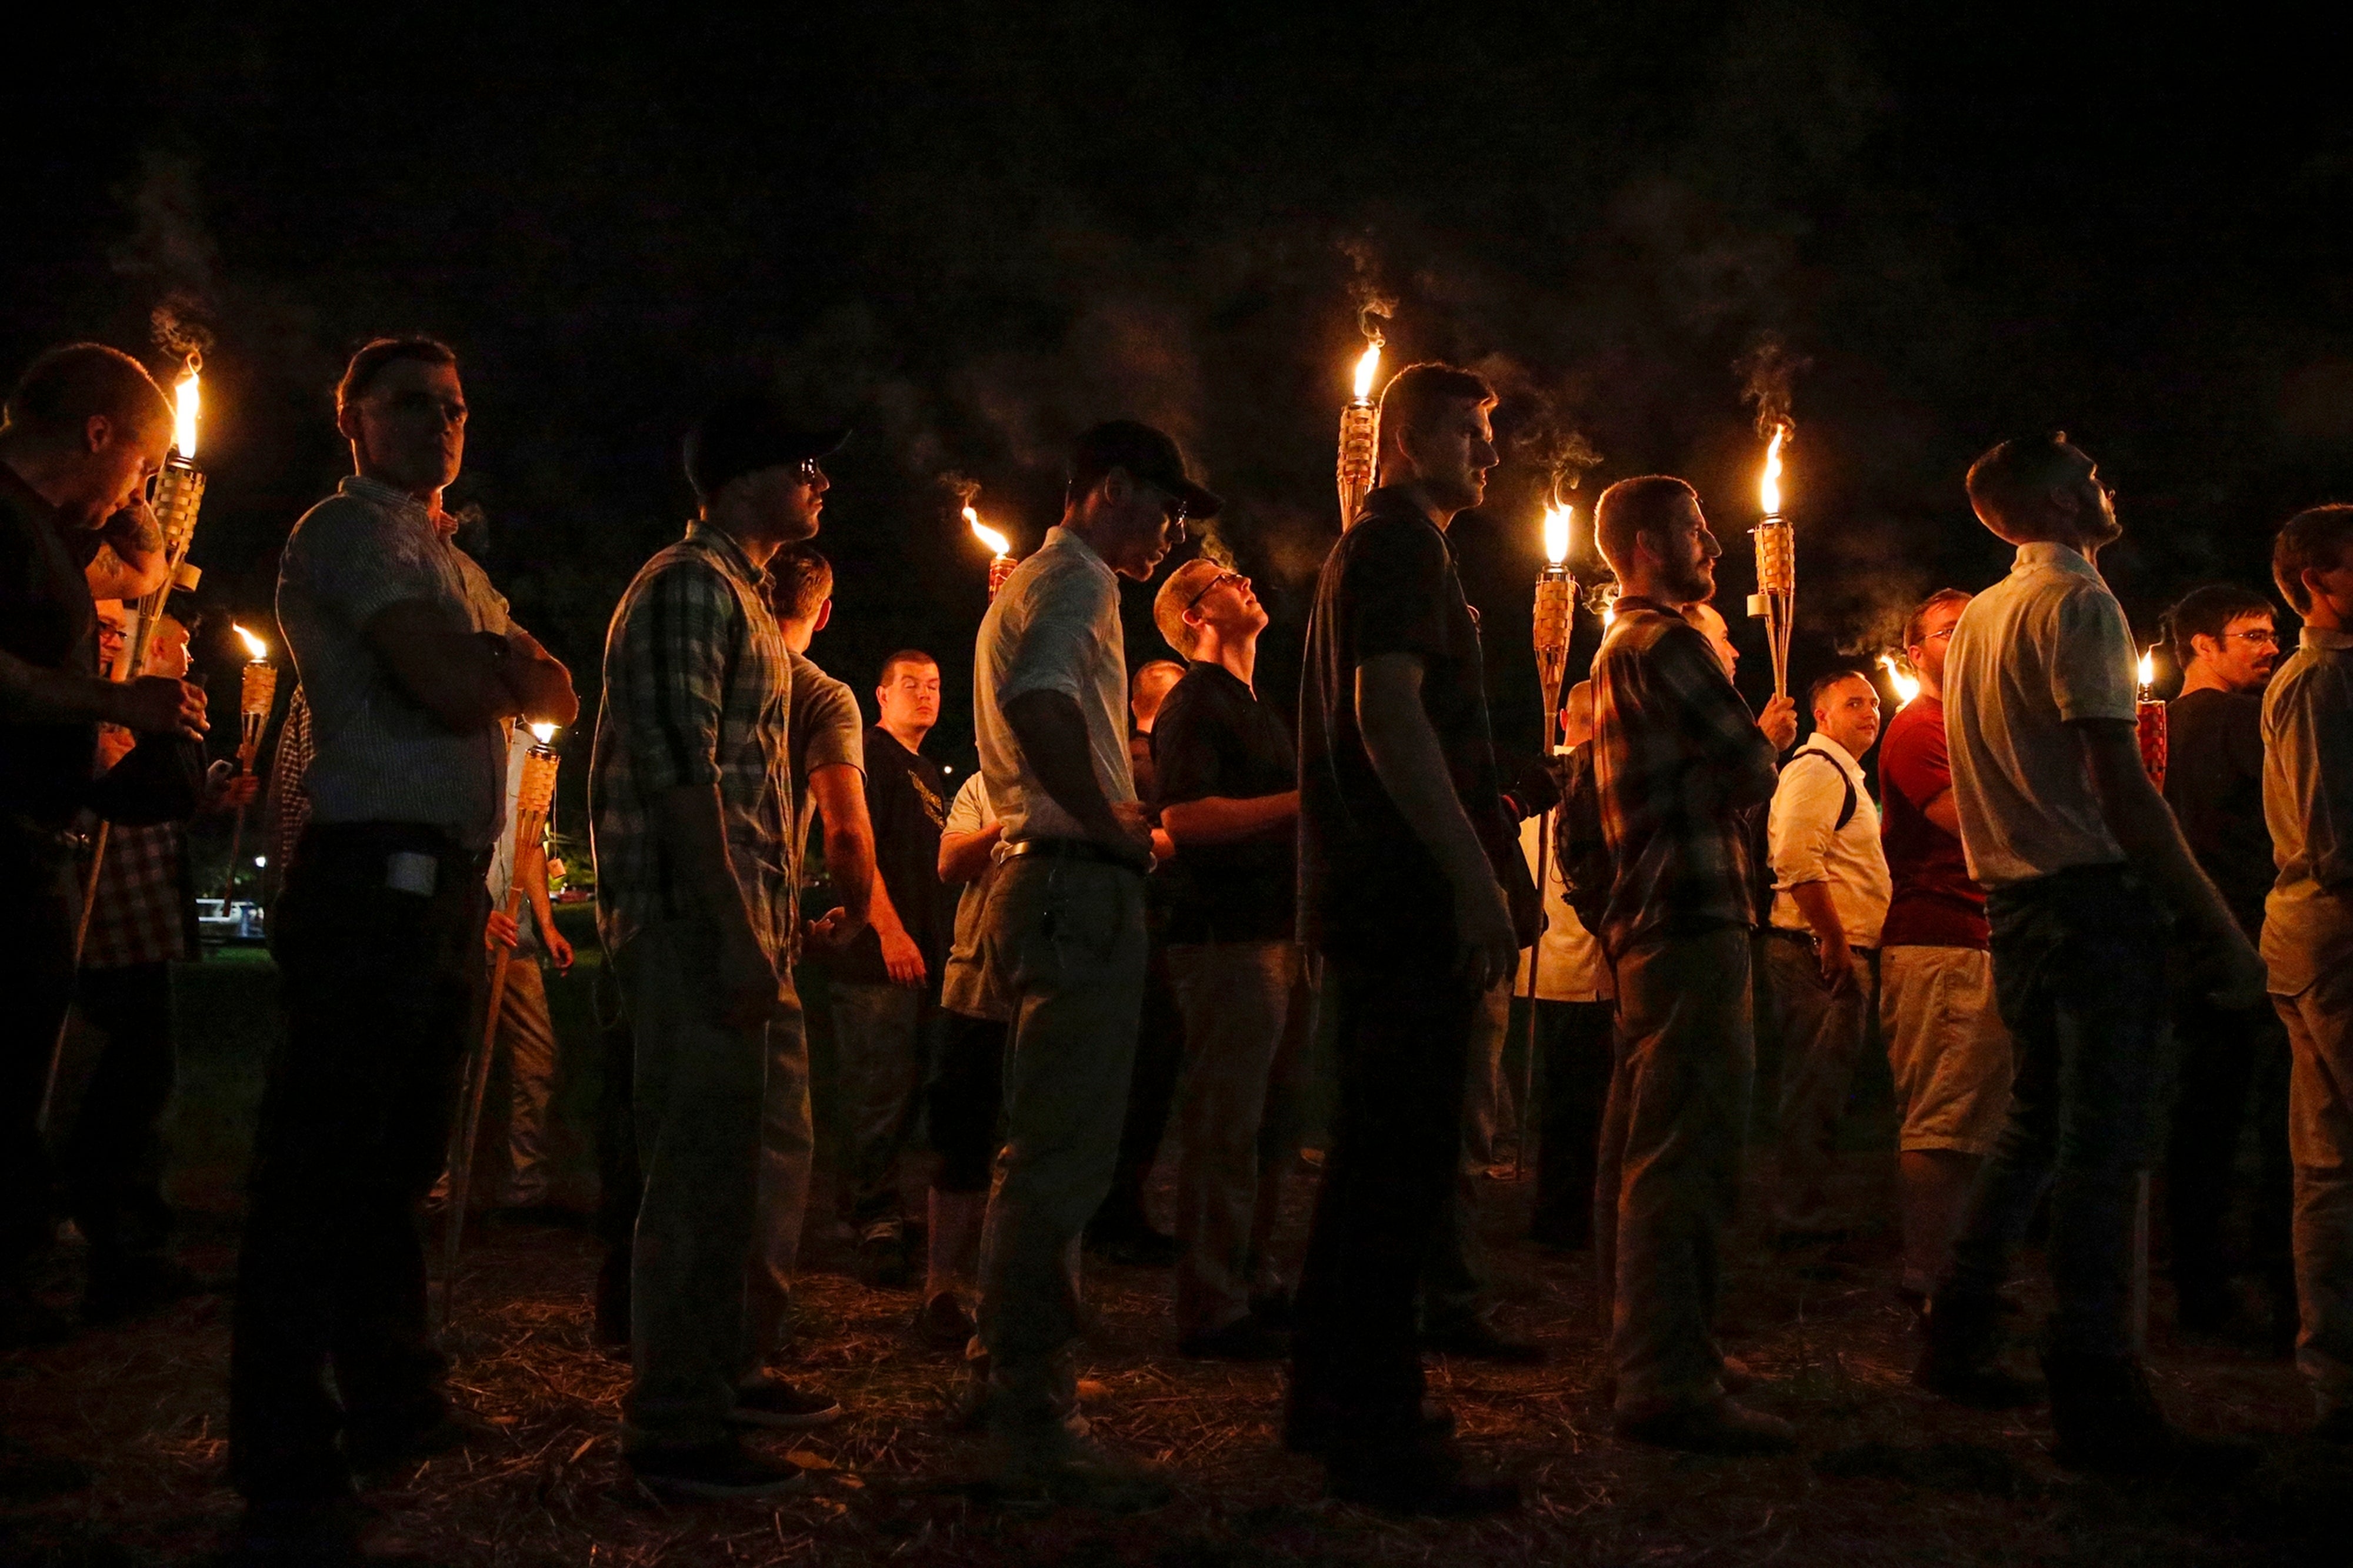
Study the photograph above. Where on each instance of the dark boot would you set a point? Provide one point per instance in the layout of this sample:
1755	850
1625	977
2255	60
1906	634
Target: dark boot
2109	1421
1962	1361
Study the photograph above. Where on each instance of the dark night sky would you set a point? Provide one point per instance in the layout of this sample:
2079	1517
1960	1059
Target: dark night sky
975	229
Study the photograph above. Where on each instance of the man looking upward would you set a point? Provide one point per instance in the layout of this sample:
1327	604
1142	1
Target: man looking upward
1064	934
413	671
2224	637
1230	803
1403	838
1680	767
1830	890
1945	1045
2082	862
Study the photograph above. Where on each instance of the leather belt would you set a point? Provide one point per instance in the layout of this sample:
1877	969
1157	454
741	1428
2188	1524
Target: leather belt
1082	849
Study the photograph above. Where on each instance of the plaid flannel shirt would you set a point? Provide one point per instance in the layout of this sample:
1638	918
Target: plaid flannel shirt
1680	769
141	909
698	690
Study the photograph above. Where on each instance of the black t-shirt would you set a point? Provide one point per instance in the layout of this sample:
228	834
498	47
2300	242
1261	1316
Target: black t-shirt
2214	782
46	619
907	800
1367	888
1214	737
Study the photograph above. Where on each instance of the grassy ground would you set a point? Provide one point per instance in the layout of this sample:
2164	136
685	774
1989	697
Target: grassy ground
1884	1475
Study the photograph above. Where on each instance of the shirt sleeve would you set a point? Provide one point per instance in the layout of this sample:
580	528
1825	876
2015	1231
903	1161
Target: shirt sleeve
2314	724
359	561
1054	648
2092	668
1804	817
836	732
1723	729
1394	586
668	675
968	813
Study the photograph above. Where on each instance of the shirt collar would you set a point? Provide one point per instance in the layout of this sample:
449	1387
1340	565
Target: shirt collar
398	502
2059	557
1070	538
721	543
2320	640
1818	742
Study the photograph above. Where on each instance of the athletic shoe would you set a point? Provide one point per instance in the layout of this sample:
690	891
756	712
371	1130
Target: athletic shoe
772	1402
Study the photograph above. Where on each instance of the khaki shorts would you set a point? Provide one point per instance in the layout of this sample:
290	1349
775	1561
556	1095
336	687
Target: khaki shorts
1945	1044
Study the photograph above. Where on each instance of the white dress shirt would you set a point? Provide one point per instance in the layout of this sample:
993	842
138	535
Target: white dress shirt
1808	845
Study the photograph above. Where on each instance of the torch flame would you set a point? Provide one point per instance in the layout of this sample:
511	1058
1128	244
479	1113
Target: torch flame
2148	665
987	535
1555	533
1368	366
255	648
188	400
542	731
1907	686
1769	491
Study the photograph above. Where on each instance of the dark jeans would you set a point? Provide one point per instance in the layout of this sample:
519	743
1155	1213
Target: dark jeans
381	986
964	1101
114	1160
36	930
1573	1058
2078	966
2233	1069
1403	1042
1151	1094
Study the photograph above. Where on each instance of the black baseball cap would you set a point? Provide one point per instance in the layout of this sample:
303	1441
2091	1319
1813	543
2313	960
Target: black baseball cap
1148	454
748	432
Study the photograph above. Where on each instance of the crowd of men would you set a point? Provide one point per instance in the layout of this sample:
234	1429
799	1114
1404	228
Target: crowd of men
1127	920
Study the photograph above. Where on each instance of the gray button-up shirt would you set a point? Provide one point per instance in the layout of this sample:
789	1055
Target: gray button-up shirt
379	754
2308	806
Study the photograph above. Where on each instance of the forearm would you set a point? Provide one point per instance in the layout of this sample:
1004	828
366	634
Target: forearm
695	834
31	695
964	856
530	867
1814	901
1225	819
2151	839
1406	757
883	914
130	563
1053	736
841	792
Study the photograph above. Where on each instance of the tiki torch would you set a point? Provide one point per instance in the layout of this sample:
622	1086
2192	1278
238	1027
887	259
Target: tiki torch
2151	714
534	796
1776	599
1001	561
1360	434
1556	609
179	491
255	696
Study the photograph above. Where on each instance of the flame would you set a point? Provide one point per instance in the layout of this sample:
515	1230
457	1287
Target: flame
1907	685
2148	665
987	535
1368	366
542	731
1555	533
188	399
1769	491
255	648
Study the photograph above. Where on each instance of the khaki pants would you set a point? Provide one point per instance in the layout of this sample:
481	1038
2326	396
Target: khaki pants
1670	1169
527	1034
1237	1002
2320	1137
1066	940
698	1088
1945	1046
1821	1033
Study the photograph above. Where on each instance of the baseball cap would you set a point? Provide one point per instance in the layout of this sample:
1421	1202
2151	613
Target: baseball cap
1148	454
748	432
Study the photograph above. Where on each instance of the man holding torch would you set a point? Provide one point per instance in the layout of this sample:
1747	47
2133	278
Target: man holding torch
84	429
413	670
1405	847
1064	934
1680	767
2082	861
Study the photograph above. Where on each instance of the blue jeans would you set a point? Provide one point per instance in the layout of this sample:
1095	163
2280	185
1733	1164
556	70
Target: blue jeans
2079	972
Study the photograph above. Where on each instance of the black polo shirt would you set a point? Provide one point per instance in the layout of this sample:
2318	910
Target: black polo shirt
2214	782
1367	888
47	620
907	801
1213	738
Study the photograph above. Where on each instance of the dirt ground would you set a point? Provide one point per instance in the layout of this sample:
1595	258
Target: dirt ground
1886	1475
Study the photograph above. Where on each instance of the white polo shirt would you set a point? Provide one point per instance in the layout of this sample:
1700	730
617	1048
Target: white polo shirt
2045	647
1808	844
1054	627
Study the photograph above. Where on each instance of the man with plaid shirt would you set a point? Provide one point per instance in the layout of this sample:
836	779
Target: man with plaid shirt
690	802
1682	767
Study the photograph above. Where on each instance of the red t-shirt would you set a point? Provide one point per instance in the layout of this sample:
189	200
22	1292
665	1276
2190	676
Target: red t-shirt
1936	903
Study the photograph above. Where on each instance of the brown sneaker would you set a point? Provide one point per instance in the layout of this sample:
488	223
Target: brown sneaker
1725	1427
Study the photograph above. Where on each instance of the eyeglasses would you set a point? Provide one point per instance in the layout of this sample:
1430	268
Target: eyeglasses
1215	582
2258	639
807	471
